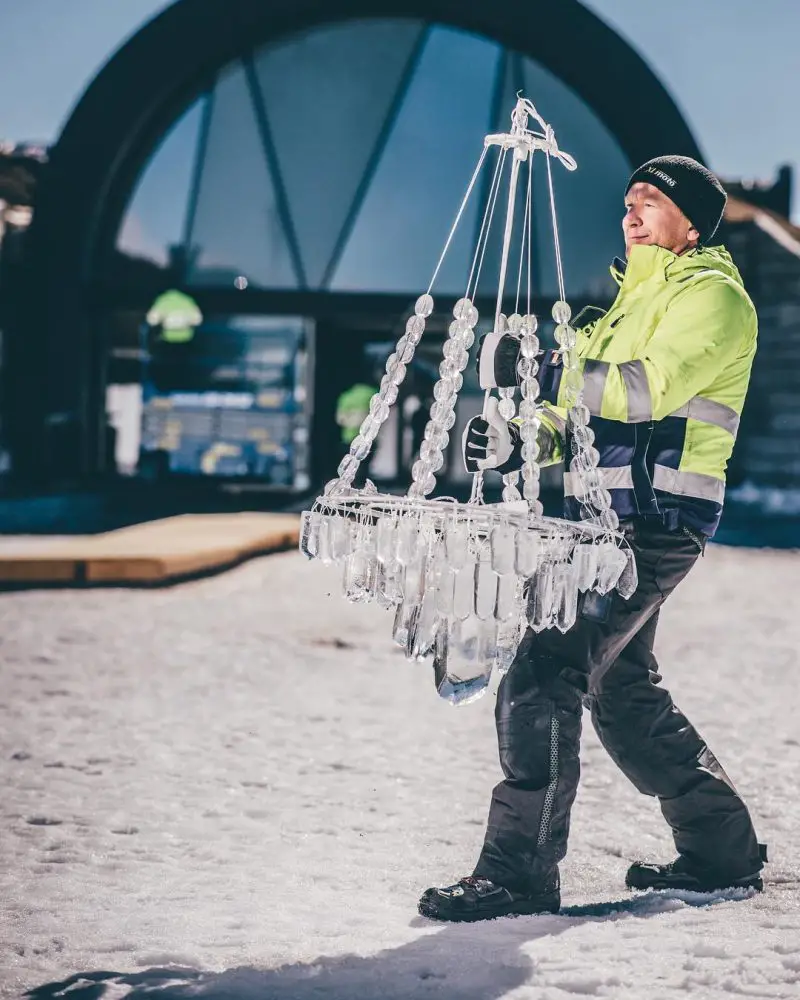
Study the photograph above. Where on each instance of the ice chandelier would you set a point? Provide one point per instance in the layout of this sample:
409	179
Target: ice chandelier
464	579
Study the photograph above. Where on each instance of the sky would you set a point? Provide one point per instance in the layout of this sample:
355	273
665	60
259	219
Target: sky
731	65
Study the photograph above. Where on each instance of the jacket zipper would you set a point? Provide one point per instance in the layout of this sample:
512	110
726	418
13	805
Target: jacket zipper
651	428
639	466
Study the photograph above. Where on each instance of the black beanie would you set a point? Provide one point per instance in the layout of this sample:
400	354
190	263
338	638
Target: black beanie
693	188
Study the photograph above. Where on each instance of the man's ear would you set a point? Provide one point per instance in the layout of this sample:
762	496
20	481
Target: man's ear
693	236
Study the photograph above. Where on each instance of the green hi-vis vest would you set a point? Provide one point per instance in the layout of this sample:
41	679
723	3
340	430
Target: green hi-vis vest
177	314
351	409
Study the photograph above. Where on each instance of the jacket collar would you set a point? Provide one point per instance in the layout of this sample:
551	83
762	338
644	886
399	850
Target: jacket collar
645	261
618	268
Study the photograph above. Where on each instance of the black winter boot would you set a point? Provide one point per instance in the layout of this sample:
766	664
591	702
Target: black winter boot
682	874
473	898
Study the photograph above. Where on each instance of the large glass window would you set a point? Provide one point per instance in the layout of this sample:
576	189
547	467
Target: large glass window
428	160
329	97
156	218
336	160
236	228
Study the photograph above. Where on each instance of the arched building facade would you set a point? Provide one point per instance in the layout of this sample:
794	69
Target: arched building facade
294	166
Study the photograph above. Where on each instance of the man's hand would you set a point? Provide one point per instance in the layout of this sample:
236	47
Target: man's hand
491	443
496	361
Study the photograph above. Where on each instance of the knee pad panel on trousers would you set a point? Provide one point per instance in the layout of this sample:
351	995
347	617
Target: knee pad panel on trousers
663	771
523	737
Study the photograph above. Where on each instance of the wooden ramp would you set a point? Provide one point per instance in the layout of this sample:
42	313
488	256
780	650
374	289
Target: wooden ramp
156	552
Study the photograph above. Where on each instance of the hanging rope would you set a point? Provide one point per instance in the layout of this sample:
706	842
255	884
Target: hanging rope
556	240
526	236
486	226
475	174
530	227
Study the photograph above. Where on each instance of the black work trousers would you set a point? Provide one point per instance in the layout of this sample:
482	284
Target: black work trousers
606	661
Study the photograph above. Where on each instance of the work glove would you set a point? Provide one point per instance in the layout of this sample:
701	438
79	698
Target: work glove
491	443
496	361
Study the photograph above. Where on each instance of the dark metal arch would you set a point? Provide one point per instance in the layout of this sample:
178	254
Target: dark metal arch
167	64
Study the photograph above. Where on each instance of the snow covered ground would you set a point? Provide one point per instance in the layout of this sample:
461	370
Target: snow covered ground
237	788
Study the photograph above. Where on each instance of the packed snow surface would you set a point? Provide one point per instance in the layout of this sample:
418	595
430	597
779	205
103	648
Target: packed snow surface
238	788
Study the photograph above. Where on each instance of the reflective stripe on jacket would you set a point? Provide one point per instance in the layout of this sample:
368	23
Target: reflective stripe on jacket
665	371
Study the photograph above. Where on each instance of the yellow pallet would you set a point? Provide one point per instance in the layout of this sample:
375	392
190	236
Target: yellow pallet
156	552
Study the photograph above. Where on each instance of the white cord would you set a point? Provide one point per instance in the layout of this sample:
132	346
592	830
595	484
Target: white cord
525	243
475	173
530	226
556	241
509	227
476	494
486	226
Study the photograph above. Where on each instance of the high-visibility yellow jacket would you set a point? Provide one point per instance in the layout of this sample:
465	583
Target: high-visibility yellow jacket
666	371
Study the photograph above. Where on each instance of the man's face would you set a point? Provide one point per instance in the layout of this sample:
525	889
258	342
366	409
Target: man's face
652	219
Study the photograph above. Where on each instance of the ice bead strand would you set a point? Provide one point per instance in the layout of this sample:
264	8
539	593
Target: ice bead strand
445	391
507	407
386	395
508	410
527	370
583	465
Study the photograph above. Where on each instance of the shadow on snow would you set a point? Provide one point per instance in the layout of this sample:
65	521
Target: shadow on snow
457	962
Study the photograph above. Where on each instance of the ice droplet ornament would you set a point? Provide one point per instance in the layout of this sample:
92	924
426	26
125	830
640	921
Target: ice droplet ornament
464	581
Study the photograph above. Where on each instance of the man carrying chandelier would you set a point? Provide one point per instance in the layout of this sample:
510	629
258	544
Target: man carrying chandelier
665	373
